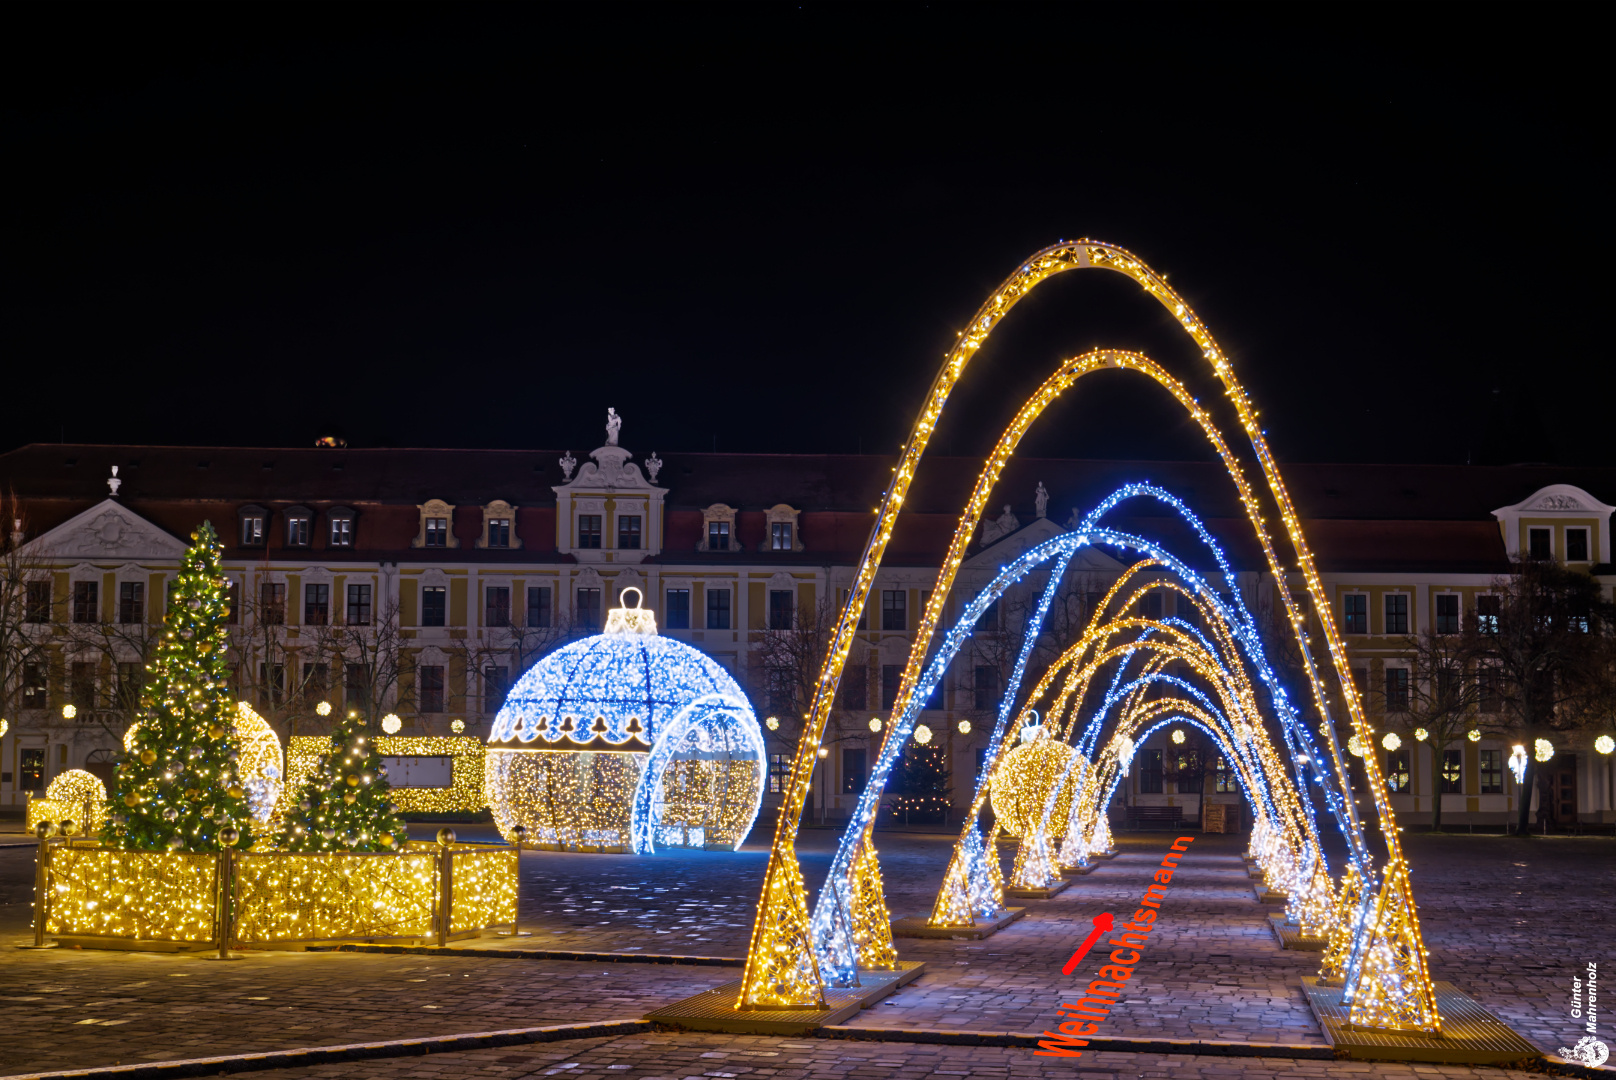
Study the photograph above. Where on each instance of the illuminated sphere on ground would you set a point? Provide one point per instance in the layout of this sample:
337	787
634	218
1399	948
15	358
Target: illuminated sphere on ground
1022	785
83	795
569	747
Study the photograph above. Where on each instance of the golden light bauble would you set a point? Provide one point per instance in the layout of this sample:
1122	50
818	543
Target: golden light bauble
391	723
191	792
84	793
1605	744
772	723
964	727
1022	784
323	709
457	725
1355	745
1421	734
5	726
1391	741
1543	749
875	723
1178	738
1474	734
922	734
69	711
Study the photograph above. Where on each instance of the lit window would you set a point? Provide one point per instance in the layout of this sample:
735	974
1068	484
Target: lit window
251	521
1397	775
34	688
297	528
316	605
359	605
779	771
1452	777
628	532
499	532
342	531
437	532
1492	772
589	530
780	540
1487	608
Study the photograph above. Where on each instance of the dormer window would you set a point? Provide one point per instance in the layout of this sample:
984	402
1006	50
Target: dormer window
718	536
718	533
499	519
299	525
250	526
780	536
437	525
783	534
342	527
437	532
499	532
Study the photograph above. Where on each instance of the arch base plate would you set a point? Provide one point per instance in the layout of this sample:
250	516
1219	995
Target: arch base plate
1470	1034
916	926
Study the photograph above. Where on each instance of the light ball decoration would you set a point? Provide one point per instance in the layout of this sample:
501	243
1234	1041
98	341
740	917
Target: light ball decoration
5	726
1021	786
259	766
83	794
773	723
457	725
1474	734
569	750
1392	741
1604	744
69	711
391	723
1178	738
323	709
964	727
875	723
1356	746
1543	750
922	734
1421	734
823	752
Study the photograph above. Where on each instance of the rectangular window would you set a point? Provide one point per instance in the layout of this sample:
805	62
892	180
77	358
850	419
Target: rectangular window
1451	776
938	699
131	602
589	530
316	677
1397	689
589	609
985	688
1487	608
434	605
852	772
1360	682
81	688
39	602
499	532
855	688
35	691
1576	545
31	769
628	532
297	531
497	605
272	603
718	536
359	605
1492	772
131	677
718	609
894	609
86	601
1355	613
1397	776
678	610
782	691
1185	609
1490	689
252	531
341	532
1224	779
1190	773
496	681
779	771
538	606
232	601
1150	772
780	540
891	674
429	688
1150	605
780	609
437	532
271	685
316	605
356	686
1539	543
1447	613
1396	613
990	617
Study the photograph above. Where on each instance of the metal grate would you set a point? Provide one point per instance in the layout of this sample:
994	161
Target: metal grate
715	1009
1470	1034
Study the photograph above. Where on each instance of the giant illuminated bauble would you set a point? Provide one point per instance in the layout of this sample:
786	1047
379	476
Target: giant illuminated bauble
83	796
569	748
1022	784
259	763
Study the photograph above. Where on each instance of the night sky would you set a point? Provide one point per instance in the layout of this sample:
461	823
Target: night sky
759	227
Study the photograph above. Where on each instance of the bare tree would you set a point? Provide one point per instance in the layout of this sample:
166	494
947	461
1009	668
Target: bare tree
1550	636
360	665
118	653
24	613
1441	694
501	655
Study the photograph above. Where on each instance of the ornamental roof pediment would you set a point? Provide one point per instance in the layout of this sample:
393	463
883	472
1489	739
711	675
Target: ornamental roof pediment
108	530
609	470
1006	548
1558	499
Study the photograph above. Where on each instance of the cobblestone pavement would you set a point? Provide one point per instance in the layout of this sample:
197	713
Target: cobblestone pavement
1212	970
698	1056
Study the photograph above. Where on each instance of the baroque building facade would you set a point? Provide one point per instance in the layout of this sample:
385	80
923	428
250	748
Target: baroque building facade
420	583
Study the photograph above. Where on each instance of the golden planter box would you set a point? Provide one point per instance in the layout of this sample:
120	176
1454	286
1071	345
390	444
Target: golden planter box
464	791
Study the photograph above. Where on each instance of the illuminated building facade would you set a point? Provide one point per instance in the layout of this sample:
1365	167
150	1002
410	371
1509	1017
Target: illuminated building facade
476	564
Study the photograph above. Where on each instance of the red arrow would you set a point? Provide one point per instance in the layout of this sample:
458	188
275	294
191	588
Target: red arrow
1102	925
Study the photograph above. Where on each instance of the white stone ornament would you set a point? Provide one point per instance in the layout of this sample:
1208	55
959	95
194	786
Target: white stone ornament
1041	500
653	465
567	463
114	483
614	423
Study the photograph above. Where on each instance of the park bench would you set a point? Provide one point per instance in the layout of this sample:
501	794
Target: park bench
1155	816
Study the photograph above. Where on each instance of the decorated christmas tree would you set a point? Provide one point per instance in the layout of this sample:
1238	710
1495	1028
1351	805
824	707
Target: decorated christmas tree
921	785
178	787
346	803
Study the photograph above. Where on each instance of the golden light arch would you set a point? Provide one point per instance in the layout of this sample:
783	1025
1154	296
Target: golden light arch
781	971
